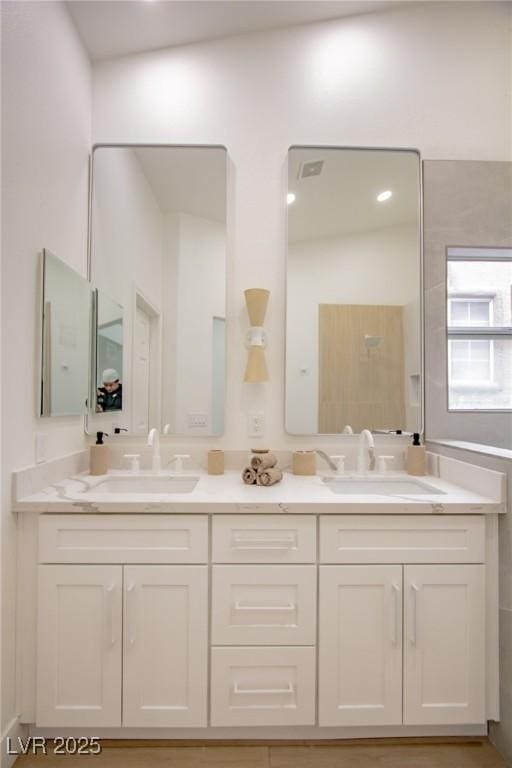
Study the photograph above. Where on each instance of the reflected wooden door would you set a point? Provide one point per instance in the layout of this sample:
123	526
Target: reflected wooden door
361	367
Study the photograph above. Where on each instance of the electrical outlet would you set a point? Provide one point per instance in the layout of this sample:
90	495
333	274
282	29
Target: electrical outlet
40	447
256	424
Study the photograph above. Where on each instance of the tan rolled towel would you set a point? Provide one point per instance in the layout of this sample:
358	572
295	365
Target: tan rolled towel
263	461
269	476
249	476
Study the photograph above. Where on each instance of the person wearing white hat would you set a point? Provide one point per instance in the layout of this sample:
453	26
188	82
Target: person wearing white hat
109	397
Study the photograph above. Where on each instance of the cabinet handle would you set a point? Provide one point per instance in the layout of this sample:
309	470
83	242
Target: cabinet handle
249	607
414	628
396	594
251	545
130	613
110	614
268	691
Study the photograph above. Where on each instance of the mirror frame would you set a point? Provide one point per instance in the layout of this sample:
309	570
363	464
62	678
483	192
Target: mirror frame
135	145
409	150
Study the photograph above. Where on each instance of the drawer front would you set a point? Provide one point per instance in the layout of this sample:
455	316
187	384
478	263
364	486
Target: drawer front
264	539
123	539
402	539
263	686
263	605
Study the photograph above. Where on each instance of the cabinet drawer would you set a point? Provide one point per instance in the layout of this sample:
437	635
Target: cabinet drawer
123	539
264	539
400	539
263	605
263	686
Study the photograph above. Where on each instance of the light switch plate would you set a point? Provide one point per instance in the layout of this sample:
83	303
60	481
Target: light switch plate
197	420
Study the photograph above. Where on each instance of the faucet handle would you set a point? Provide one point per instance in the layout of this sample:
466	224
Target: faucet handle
134	459
339	460
381	464
178	458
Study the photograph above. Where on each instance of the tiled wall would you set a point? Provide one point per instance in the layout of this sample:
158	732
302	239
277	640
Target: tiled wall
469	203
500	733
465	203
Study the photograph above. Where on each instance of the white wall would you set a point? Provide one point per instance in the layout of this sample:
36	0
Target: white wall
377	267
201	296
434	77
46	137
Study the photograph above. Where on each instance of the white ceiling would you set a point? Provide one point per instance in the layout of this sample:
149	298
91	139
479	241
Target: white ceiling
111	28
343	198
187	179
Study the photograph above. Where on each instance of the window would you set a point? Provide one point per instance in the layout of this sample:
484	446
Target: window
471	363
470	311
479	311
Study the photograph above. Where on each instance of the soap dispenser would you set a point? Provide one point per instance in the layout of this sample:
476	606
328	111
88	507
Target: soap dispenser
99	456
416	457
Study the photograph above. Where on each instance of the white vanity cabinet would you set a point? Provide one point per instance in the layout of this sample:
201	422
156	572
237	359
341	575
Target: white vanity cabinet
165	645
360	645
402	643
122	644
79	654
444	644
264	608
317	621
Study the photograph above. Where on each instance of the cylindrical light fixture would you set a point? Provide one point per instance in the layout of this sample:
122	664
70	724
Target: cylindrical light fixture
256	300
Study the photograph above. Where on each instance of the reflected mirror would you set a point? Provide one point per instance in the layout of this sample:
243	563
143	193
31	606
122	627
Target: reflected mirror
66	339
158	261
353	323
109	354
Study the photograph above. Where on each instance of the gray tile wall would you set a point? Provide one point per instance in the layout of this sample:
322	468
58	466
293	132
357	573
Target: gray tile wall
469	203
465	203
500	733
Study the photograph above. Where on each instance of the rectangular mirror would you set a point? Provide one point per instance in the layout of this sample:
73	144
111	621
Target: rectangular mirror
158	252
353	300
66	339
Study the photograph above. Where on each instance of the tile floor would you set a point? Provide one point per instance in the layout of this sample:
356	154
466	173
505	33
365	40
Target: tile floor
473	754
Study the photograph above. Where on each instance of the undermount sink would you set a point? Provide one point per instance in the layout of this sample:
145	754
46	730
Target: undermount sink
144	485
371	486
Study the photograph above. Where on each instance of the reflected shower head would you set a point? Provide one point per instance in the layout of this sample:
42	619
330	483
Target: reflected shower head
371	342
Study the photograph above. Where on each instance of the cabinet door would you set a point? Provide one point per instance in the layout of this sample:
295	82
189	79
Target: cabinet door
79	645
360	646
444	669
165	645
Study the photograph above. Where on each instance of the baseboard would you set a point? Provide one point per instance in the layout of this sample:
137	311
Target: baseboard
10	736
269	734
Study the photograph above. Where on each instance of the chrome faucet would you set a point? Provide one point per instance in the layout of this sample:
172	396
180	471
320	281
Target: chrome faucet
154	442
333	465
366	456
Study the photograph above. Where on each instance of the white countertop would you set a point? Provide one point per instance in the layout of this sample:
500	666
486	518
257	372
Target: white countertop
227	494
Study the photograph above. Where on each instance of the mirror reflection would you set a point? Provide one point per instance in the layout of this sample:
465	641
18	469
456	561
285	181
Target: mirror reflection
109	354
65	339
353	329
158	252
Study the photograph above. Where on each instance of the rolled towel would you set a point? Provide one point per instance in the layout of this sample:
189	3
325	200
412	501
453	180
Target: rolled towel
249	476
263	461
269	476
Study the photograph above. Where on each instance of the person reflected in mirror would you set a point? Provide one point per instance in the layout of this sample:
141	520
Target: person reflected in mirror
109	397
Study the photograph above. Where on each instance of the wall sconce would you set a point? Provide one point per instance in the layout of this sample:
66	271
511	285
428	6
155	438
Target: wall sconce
256	300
